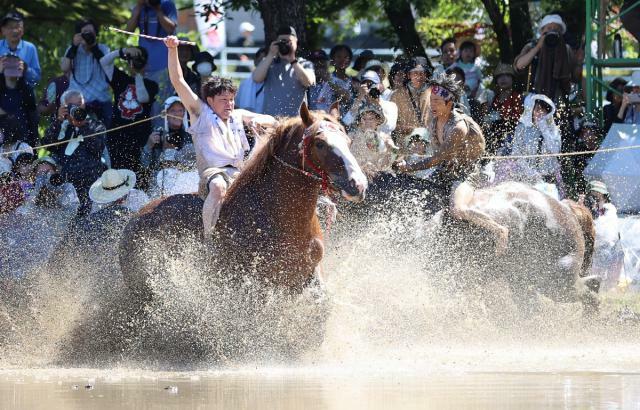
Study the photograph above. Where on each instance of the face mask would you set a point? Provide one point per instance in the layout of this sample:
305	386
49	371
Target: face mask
204	69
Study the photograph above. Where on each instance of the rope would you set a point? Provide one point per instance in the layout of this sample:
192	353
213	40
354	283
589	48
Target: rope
117	30
83	137
563	154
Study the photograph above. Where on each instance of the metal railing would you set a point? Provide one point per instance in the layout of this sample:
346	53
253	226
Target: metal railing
226	65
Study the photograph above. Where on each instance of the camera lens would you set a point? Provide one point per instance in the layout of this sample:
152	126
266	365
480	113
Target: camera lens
283	47
374	93
90	38
77	113
551	39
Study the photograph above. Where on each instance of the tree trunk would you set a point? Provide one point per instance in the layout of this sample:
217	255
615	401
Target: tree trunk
501	30
278	13
521	27
401	18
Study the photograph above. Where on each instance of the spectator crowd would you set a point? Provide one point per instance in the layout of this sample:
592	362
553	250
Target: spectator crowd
107	144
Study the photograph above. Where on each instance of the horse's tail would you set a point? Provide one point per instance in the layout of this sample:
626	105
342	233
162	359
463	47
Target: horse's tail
585	219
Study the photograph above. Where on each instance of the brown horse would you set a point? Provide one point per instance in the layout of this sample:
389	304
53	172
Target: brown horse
268	226
549	248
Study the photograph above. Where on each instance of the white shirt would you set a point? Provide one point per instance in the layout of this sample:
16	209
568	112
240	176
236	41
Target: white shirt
218	144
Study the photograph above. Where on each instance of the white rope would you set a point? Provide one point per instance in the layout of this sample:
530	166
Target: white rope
82	137
117	30
563	154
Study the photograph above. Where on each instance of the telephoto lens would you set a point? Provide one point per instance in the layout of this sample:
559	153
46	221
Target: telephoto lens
77	113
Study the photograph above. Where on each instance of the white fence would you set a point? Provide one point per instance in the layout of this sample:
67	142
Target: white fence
226	65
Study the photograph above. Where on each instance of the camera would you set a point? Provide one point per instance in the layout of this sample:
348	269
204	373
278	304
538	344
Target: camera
283	47
551	39
160	132
89	38
76	112
137	62
374	93
174	138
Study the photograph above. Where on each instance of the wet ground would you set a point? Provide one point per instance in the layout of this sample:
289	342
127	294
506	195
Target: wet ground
290	388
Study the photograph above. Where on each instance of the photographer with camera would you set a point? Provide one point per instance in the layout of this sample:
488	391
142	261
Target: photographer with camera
82	58
18	100
286	77
549	63
171	143
133	97
369	94
80	159
25	53
628	111
157	18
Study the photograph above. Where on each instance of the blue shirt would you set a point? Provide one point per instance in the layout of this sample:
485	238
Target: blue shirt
28	53
148	24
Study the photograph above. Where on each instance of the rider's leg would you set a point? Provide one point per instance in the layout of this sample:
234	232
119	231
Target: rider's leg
460	201
213	203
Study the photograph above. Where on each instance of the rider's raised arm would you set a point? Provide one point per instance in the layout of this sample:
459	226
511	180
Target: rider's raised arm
187	96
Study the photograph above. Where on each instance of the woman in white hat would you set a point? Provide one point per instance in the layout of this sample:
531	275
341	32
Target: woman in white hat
173	137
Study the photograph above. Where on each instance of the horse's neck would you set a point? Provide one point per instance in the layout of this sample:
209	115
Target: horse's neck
296	195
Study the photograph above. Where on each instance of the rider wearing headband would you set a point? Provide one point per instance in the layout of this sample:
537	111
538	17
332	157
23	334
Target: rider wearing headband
458	145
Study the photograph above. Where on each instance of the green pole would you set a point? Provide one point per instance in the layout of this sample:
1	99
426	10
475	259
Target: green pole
588	58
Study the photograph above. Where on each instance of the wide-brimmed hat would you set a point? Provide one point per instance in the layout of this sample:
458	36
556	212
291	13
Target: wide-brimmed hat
112	185
503	68
471	40
553	18
246	26
598	186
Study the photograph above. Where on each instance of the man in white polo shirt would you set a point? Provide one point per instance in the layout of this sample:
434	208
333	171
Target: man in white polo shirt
218	134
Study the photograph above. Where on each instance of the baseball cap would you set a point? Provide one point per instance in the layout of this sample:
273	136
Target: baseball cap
11	16
370	76
286	30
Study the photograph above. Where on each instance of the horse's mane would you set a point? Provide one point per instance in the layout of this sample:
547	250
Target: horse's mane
288	130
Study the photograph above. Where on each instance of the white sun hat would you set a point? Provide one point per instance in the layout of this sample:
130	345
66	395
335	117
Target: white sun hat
112	185
246	26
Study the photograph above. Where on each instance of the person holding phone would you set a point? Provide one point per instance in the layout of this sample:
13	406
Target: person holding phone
629	112
25	53
17	99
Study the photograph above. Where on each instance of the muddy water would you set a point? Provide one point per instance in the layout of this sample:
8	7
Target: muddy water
390	338
281	388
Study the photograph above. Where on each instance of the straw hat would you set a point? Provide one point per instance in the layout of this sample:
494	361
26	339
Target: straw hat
503	68
112	185
472	40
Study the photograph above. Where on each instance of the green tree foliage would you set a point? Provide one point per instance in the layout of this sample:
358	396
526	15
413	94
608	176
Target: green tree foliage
49	24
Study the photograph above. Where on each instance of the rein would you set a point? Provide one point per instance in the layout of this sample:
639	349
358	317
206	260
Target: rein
318	174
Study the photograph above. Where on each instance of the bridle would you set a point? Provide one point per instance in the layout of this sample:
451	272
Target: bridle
318	174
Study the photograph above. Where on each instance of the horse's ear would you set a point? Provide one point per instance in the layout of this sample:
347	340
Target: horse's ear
305	114
334	110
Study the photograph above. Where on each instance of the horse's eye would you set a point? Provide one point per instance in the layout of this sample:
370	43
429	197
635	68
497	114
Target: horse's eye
320	144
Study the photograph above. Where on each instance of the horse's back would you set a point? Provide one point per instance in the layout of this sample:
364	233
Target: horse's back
166	226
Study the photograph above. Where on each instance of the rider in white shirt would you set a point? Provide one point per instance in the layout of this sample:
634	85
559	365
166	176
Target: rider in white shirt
218	134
